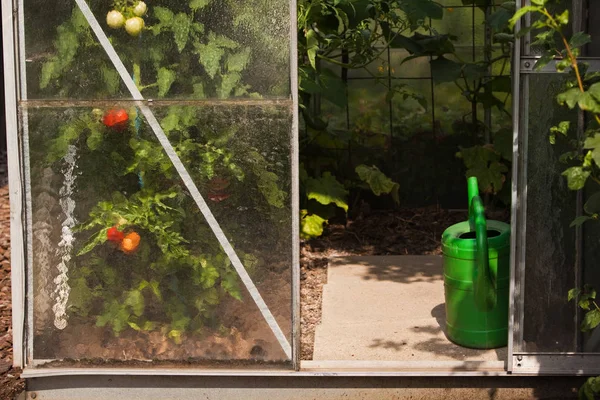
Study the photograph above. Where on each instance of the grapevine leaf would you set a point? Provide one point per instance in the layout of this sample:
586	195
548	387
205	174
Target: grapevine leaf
576	177
311	226
165	79
378	181
327	190
591	320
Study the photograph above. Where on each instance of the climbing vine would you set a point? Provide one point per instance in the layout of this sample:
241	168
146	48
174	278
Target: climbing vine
582	163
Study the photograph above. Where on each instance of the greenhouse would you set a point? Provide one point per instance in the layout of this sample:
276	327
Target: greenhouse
294	199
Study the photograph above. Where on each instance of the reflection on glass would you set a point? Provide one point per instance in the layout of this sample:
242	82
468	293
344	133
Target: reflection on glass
550	253
126	267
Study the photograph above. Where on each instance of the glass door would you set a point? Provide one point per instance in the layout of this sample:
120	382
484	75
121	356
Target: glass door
158	147
550	253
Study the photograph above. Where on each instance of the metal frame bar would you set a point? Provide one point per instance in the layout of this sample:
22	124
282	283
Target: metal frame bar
514	194
527	65
556	364
520	361
12	33
308	368
15	182
295	192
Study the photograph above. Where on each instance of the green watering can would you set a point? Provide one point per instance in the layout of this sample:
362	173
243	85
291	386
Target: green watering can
476	257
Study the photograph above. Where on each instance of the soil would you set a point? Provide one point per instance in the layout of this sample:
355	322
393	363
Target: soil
414	231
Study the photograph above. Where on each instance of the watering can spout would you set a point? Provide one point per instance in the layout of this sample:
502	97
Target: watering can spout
483	282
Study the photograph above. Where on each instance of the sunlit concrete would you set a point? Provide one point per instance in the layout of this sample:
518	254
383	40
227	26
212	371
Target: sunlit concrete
388	308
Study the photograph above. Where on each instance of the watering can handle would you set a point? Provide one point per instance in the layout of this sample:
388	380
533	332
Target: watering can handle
483	284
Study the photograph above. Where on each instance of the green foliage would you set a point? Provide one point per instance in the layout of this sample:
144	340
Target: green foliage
590	389
327	190
311	225
580	96
377	181
487	164
347	34
177	275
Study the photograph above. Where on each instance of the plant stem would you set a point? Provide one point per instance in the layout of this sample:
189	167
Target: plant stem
570	54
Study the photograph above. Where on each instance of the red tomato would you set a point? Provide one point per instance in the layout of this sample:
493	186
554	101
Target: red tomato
114	235
218	197
130	243
116	119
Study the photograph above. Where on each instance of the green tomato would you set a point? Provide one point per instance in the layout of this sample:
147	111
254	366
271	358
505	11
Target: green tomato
140	9
134	26
115	19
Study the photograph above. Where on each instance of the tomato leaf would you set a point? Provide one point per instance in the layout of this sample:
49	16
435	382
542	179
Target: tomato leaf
165	79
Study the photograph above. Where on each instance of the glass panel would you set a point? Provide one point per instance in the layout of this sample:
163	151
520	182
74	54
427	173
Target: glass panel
369	111
125	265
187	49
411	114
452	110
550	252
593	49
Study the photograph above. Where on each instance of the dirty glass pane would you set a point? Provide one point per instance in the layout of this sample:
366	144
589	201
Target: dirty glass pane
414	68
186	49
550	323
411	107
125	265
453	112
369	109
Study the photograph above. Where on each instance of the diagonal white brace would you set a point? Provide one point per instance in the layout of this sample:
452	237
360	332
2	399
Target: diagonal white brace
186	178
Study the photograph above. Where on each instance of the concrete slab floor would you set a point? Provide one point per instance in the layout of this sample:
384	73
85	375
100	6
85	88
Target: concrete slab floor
388	308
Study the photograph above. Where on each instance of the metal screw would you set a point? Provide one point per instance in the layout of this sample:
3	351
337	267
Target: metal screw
33	395
527	64
520	358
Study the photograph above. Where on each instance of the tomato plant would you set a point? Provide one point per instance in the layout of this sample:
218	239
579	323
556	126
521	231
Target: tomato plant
146	259
116	119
